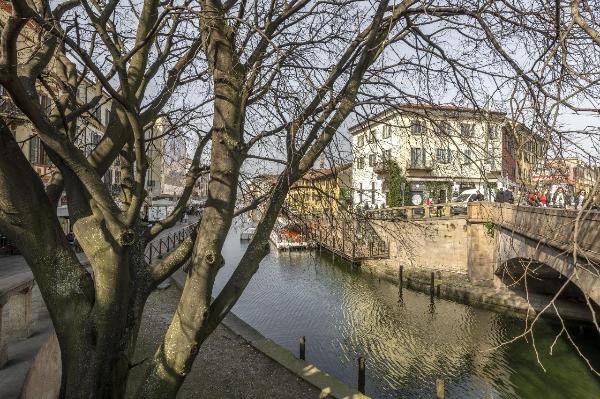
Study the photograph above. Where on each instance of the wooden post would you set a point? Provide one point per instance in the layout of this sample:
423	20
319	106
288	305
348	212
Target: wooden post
361	374
400	277
439	389
432	283
303	347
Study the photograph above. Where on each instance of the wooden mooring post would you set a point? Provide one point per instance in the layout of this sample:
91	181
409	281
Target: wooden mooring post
440	391
303	348
432	284
361	374
400	277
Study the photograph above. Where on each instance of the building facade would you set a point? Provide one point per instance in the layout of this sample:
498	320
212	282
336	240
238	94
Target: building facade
441	151
572	174
321	191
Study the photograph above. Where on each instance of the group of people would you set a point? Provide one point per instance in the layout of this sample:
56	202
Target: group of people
559	199
503	195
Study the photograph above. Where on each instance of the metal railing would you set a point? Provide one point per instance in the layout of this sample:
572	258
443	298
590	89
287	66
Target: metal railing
352	239
164	244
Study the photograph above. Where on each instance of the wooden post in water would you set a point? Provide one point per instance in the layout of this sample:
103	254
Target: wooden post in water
303	347
400	277
361	374
432	284
440	391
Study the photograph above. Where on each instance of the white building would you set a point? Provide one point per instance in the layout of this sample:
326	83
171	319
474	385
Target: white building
441	150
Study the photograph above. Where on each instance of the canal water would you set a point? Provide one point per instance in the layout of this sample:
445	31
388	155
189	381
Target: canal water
408	342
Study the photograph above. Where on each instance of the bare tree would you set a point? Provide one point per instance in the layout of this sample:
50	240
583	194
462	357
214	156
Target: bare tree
265	80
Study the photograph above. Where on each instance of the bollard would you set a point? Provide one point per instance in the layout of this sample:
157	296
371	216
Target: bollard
431	284
303	348
438	290
400	277
361	374
439	389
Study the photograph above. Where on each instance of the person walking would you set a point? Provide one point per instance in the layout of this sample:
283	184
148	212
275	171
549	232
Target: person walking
580	201
544	199
508	196
500	195
478	196
559	198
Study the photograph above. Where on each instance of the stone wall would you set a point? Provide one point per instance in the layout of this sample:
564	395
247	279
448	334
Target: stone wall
439	245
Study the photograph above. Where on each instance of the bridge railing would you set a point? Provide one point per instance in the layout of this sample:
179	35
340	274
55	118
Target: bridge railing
562	228
449	209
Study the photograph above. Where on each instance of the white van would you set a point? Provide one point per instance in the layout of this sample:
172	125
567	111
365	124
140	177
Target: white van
464	198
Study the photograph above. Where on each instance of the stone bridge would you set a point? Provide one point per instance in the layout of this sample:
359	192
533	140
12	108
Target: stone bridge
479	240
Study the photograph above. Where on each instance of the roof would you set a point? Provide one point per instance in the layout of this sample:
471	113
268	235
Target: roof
423	108
315	174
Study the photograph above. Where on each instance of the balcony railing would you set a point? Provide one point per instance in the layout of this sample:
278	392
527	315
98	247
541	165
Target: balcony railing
424	165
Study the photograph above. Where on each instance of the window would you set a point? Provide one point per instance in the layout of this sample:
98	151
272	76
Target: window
95	138
493	132
360	163
445	128
466	155
108	177
370	136
467	129
417	156
443	155
387	132
98	114
372	159
106	116
45	103
360	141
37	155
386	155
417	128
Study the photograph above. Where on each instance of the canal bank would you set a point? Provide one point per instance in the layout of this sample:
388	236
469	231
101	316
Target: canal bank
499	298
408	342
327	385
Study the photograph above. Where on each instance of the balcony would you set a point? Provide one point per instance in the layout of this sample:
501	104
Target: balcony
423	167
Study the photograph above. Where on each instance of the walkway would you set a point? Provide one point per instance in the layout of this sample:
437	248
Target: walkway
227	365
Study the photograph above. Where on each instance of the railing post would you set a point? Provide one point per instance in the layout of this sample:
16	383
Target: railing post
361	374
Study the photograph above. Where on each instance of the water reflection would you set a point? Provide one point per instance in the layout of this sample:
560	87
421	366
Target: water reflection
409	340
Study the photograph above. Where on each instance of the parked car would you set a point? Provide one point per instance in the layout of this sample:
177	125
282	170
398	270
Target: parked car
464	198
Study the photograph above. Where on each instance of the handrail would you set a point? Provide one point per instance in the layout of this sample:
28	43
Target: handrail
163	245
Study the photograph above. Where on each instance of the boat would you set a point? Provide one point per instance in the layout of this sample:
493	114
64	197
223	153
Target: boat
289	237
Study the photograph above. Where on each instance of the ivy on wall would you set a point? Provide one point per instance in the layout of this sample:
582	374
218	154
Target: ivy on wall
394	180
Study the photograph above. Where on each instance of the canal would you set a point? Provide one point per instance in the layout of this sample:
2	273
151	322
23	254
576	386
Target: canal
408	342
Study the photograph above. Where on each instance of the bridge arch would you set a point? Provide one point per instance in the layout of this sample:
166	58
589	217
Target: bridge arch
519	250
